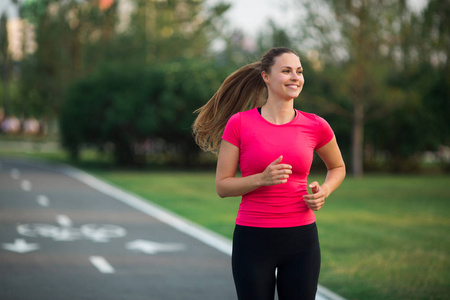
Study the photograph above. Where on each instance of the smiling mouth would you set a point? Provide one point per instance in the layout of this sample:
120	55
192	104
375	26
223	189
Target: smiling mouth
292	86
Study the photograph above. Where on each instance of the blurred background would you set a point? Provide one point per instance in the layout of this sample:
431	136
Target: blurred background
111	87
122	78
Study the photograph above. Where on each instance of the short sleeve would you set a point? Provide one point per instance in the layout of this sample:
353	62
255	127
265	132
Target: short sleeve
324	133
232	132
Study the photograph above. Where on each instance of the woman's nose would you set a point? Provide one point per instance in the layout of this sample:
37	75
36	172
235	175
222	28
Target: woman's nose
295	76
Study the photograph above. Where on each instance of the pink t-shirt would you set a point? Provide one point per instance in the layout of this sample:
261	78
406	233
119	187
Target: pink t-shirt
260	143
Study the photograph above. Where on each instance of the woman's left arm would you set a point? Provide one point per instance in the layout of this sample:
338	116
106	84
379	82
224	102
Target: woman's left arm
331	156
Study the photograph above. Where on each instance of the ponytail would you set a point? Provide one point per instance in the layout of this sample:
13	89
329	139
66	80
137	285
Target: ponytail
242	90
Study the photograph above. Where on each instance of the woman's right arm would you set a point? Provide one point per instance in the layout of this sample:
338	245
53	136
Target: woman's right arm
228	185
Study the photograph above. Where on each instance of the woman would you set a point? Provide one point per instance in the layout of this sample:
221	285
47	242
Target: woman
275	241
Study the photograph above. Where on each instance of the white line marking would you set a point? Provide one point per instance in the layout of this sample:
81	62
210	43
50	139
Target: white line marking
64	221
25	185
151	247
101	264
196	231
325	294
15	173
43	200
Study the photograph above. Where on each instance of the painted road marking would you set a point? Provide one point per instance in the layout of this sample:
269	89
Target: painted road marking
25	185
99	233
43	200
21	246
101	264
49	231
64	221
150	247
102	233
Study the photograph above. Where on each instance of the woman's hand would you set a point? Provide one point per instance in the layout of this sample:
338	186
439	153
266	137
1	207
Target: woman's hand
316	200
331	156
276	173
228	185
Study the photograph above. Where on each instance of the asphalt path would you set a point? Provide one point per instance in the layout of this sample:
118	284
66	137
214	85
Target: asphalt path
67	235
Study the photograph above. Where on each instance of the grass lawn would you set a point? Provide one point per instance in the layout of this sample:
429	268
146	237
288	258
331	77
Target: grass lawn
382	237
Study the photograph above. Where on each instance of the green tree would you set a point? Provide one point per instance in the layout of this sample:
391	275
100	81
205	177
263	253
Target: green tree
9	89
76	37
125	105
62	31
5	62
435	38
188	85
358	45
163	30
421	122
274	36
114	105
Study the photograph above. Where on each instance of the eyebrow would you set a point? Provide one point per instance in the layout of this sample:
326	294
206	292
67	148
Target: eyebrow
291	68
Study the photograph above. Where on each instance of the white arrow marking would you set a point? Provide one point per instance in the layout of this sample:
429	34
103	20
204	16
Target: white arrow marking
150	247
43	200
21	246
101	264
25	185
64	221
15	174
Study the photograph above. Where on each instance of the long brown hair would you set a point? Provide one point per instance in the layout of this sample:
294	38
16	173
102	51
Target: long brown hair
242	90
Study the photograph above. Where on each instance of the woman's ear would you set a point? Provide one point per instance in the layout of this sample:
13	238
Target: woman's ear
265	77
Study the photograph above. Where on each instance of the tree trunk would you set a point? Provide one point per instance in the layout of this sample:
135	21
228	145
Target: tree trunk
358	138
359	78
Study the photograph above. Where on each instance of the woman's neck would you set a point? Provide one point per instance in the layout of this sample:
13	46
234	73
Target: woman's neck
278	113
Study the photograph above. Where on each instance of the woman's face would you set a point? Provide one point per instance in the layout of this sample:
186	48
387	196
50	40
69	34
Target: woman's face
285	78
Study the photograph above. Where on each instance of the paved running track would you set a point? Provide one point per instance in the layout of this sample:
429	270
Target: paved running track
67	235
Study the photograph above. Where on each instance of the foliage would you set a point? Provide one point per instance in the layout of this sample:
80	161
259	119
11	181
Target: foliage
157	26
125	106
78	40
188	85
419	124
99	109
63	29
76	37
5	62
369	59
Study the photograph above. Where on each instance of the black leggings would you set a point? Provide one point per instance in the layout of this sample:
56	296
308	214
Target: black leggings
258	252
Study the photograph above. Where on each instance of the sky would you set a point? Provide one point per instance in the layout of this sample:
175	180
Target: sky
252	15
5	6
